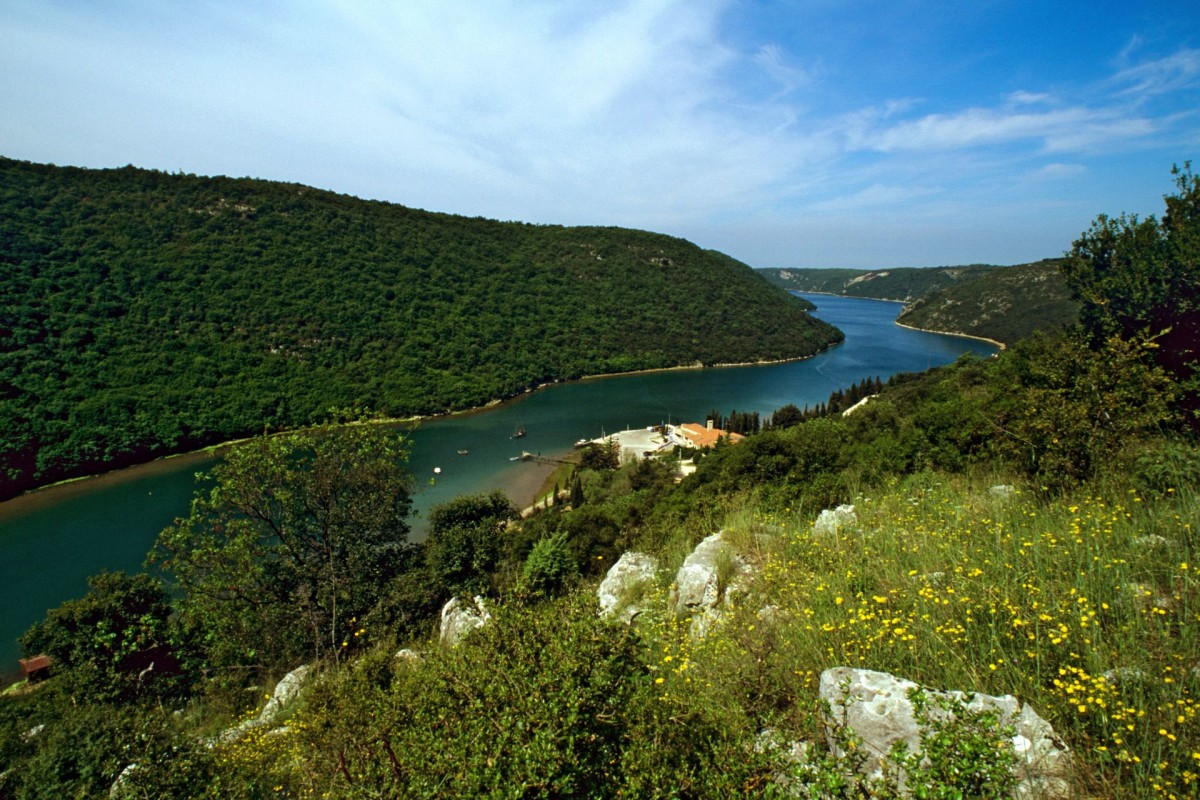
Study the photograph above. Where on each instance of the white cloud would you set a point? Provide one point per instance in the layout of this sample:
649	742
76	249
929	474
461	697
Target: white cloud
1058	171
874	196
1178	71
648	113
1067	129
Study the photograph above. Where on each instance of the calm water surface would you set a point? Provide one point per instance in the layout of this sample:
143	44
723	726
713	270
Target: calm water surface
51	540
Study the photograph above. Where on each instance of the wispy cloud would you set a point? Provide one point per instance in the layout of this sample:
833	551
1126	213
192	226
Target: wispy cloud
1172	73
654	113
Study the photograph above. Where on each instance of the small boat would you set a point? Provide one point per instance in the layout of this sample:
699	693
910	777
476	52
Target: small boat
463	452
519	433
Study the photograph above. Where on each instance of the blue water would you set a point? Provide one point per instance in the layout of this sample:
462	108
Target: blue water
51	540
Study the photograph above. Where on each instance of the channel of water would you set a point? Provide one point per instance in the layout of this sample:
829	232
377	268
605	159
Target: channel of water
51	540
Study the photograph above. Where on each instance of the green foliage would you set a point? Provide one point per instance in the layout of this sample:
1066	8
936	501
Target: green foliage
1005	304
143	313
80	750
549	566
599	455
1075	409
544	701
114	644
1139	280
464	542
1164	467
965	752
293	543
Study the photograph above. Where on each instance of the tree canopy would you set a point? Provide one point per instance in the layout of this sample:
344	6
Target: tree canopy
143	313
293	544
1140	279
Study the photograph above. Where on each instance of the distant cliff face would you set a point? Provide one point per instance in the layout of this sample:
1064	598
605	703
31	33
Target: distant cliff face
144	313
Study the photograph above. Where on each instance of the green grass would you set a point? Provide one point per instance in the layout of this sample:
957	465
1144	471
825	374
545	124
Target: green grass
944	583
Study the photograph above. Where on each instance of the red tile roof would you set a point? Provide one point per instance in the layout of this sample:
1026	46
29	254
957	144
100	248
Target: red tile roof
702	436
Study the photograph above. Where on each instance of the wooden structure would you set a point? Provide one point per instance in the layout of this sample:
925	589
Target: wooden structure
35	668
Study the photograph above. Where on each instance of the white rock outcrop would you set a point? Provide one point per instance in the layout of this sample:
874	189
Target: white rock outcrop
833	520
877	708
710	577
624	585
707	574
287	690
458	619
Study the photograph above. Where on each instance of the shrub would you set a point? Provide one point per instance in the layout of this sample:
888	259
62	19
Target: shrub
549	566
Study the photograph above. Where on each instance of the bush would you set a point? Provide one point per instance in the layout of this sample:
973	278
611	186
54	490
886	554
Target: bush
116	643
549	566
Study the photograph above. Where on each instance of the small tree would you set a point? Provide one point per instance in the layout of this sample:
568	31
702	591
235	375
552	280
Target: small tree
293	543
463	545
549	566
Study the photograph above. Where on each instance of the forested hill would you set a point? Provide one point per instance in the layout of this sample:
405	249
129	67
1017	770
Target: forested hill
1004	304
1000	303
145	313
905	283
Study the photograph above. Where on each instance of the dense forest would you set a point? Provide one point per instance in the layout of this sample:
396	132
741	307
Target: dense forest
143	313
1023	524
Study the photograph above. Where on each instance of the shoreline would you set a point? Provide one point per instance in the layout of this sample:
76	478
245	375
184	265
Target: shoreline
998	344
26	500
850	296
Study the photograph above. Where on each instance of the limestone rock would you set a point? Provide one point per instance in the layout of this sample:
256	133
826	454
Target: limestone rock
287	690
458	619
1003	492
1152	541
626	580
708	581
833	520
699	583
408	655
876	706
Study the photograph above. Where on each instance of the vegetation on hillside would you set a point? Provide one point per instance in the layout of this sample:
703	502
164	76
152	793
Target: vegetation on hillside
143	313
1026	524
1006	304
905	284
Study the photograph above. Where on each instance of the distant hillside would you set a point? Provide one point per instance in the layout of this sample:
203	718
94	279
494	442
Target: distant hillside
904	284
1004	304
1000	303
143	313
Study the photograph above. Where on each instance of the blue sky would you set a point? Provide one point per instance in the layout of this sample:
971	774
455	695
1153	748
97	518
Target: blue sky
799	134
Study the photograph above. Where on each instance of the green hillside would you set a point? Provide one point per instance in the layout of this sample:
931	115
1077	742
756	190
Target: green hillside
143	313
1000	303
1004	304
904	284
1022	525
